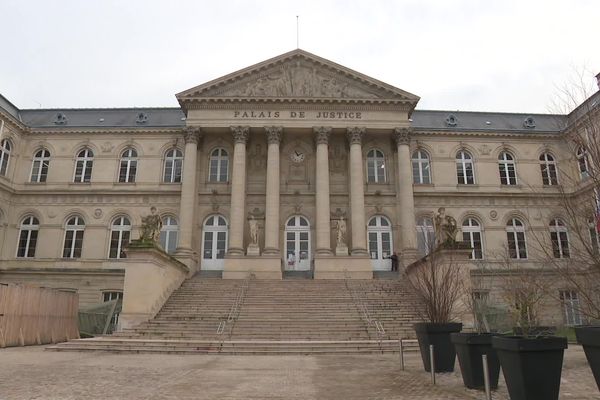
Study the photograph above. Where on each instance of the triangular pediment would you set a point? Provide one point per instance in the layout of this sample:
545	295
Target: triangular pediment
301	76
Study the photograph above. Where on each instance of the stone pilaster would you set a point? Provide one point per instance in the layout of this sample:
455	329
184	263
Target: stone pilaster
408	230
357	195
272	196
187	204
323	226
238	190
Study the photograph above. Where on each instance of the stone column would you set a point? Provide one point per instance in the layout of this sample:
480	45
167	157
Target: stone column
187	205
357	194
238	191
323	226
272	200
408	230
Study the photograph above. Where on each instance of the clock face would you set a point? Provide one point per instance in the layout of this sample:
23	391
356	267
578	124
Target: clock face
297	156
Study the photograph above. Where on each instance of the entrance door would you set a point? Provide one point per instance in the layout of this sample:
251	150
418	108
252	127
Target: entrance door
380	243
214	243
297	244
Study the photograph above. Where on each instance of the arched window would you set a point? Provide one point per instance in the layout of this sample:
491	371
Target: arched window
464	168
28	235
128	166
83	166
506	167
515	234
4	156
420	167
375	167
560	239
120	234
168	234
173	164
425	235
39	168
548	167
73	237
214	242
219	166
471	231
582	161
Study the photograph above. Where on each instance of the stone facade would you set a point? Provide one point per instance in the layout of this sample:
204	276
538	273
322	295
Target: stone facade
295	147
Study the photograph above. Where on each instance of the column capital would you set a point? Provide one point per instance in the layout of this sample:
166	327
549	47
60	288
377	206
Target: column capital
402	135
274	134
355	135
240	134
322	134
192	135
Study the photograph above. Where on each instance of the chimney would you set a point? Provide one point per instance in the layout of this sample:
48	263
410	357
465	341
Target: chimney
598	81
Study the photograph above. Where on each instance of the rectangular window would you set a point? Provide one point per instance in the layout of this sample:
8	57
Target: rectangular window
118	240
474	239
83	171
27	243
516	245
571	307
208	245
465	173
507	174
73	244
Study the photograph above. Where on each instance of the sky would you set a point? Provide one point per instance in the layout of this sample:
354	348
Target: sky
488	55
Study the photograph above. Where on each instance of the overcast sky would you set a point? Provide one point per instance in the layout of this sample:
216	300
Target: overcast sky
505	55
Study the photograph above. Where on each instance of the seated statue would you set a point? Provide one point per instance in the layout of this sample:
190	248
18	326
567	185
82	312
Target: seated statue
445	228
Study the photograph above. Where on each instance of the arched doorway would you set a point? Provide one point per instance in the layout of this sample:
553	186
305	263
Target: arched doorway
379	230
297	244
214	243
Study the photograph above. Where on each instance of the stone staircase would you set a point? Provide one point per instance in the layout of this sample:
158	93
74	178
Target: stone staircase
296	316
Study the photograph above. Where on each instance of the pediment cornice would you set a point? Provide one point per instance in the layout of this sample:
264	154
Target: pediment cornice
296	77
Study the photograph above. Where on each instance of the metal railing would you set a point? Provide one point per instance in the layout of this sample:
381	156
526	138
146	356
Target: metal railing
234	310
358	297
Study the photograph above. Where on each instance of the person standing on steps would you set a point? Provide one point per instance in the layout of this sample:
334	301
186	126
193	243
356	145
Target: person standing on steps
394	258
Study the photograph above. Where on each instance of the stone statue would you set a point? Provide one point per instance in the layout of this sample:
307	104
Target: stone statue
253	231
340	227
151	226
445	228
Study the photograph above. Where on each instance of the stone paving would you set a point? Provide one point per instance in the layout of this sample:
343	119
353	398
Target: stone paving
32	373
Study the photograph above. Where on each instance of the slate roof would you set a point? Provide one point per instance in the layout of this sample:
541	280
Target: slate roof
103	117
487	121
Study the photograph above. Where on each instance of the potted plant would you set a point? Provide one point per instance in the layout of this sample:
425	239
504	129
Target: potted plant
589	338
471	346
531	361
436	280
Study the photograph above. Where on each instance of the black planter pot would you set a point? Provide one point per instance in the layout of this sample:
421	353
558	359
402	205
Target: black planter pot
589	338
469	349
531	366
437	335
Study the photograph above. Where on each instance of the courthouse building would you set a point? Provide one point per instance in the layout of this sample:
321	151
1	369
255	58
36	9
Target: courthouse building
293	164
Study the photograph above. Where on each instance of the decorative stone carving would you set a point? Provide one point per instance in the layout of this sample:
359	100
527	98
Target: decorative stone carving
494	215
192	135
151	226
214	200
402	136
98	213
257	160
60	119
257	213
485	150
298	79
274	134
141	118
340	231
355	135
240	134
322	134
451	120
253	224
445	228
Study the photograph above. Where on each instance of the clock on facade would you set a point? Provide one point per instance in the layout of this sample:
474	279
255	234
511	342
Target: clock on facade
297	156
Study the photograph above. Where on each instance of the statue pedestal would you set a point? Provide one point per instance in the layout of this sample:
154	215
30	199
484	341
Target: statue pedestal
341	250
253	250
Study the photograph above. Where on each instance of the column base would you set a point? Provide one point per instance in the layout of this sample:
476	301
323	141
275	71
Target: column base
271	251
323	252
348	267
359	252
188	257
235	251
262	267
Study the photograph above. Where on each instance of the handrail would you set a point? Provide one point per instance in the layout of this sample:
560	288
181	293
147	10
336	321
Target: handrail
234	310
360	304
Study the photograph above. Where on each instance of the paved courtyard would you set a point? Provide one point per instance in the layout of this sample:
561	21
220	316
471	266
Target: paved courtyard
32	373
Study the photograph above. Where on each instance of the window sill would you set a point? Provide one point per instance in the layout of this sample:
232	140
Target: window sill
34	183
